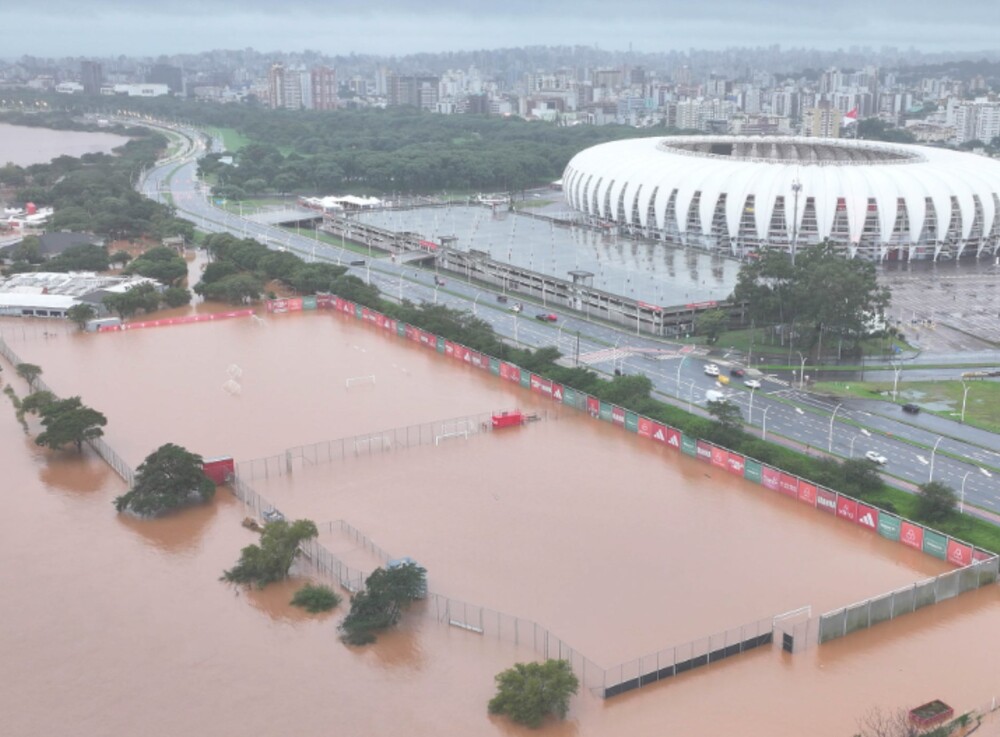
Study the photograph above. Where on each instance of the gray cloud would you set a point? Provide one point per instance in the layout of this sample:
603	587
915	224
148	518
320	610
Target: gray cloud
110	27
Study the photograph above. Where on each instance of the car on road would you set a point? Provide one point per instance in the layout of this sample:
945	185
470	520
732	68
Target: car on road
546	317
876	457
752	383
736	371
439	281
711	369
911	408
516	307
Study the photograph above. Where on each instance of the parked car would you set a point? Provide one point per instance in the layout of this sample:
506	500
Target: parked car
752	383
876	457
736	371
711	369
911	408
546	317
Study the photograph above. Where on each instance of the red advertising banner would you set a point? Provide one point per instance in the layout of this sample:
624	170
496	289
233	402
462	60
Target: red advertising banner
720	457
770	478
186	320
366	314
345	306
704	451
959	554
617	415
541	384
450	349
412	333
978	555
593	406
826	500
325	301
847	508
807	493
461	353
868	517
735	464
645	427
429	340
788	485
277	305
911	535
557	391
477	359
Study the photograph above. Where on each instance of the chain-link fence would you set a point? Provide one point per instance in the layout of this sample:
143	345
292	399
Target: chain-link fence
367	444
888	606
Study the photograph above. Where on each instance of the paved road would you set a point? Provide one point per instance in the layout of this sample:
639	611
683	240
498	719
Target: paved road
946	452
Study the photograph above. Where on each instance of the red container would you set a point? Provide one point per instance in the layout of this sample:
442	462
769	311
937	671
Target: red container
508	419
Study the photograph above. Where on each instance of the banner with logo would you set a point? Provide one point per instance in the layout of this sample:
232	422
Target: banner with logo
309	303
357	312
935	544
525	379
888	526
807	493
867	516
911	535
847	508
703	450
594	406
959	554
980	555
826	500
617	415
557	392
494	366
751	470
325	301
720	457
479	360
402	329
605	410
734	463
439	343
688	445
770	478
631	421
510	372
449	349
788	485
571	397
645	427
541	385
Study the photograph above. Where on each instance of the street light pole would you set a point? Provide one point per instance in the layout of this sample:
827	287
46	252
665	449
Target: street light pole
802	370
961	502
796	188
679	366
965	396
750	410
933	451
763	434
895	379
832	418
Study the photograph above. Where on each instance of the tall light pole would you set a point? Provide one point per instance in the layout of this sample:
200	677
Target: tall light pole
750	410
679	366
862	432
763	434
475	302
965	396
933	451
832	418
961	503
895	379
802	370
796	188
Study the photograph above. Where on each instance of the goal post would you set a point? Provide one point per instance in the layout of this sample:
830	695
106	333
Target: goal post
359	380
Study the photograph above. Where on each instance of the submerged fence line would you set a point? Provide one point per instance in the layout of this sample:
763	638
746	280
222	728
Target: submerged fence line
367	444
907	599
100	446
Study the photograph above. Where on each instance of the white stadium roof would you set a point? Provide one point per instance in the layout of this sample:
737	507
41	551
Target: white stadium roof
738	193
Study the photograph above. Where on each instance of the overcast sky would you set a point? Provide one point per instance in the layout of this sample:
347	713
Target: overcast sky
395	27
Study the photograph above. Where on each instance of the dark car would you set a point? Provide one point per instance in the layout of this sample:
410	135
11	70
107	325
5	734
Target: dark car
546	317
736	371
911	408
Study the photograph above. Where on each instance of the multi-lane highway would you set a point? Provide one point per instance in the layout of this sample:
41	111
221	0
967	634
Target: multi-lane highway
914	449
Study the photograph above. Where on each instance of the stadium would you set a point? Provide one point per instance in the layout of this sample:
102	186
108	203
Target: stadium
877	201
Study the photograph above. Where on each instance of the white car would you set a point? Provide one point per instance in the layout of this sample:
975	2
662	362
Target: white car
752	384
876	457
711	369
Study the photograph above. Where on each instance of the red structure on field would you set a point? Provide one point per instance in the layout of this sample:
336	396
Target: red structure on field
218	469
930	714
508	419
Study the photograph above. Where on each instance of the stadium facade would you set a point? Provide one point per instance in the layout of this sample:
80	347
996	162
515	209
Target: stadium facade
878	201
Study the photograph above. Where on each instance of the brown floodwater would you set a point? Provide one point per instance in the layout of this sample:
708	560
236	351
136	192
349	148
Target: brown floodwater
114	625
24	145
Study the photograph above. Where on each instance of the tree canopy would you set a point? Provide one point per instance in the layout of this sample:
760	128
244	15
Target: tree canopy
528	692
69	421
822	290
271	560
387	593
169	477
935	501
160	263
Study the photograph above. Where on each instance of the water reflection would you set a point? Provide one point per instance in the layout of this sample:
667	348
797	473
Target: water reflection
179	532
69	471
274	600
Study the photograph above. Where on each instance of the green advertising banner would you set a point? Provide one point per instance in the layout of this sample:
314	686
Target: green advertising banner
751	471
359	312
631	421
888	526
309	303
440	344
569	396
494	366
525	379
689	446
401	329
935	544
607	410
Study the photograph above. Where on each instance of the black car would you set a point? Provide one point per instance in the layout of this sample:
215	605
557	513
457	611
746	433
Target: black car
911	408
736	371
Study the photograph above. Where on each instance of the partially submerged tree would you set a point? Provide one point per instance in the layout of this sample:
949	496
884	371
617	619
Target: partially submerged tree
29	372
528	692
169	478
81	313
387	594
314	598
271	560
69	421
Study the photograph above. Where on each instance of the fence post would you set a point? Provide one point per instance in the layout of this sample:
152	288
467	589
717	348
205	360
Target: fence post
288	461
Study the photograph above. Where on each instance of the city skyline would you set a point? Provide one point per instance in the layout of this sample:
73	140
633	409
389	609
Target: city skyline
397	27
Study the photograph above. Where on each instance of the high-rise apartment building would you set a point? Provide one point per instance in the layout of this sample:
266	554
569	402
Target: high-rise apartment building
91	77
323	81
